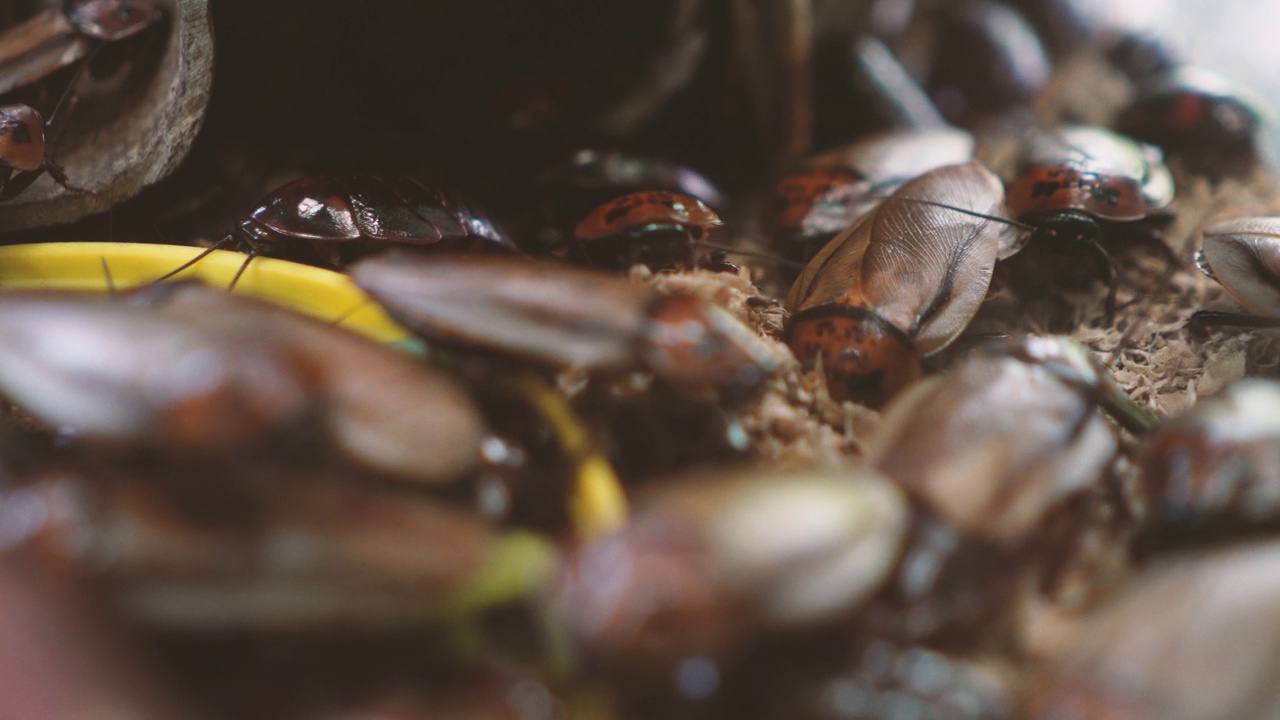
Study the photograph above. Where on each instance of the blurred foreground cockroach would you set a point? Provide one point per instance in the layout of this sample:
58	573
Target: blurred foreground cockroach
709	563
300	549
899	285
205	374
1217	467
334	220
560	317
1243	255
994	451
1191	638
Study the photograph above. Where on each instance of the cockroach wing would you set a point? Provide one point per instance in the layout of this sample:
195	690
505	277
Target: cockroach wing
922	267
993	446
1244	254
548	314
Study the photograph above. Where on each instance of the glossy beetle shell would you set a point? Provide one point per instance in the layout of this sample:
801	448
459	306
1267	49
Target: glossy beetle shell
392	209
21	138
1092	170
1243	255
920	270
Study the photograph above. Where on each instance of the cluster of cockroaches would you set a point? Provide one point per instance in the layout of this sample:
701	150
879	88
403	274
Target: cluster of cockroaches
304	523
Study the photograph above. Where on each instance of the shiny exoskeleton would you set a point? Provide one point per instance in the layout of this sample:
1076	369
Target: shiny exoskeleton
571	188
1079	183
331	221
658	228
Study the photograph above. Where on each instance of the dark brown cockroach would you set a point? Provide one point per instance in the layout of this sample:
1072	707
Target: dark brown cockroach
993	451
811	205
1188	638
65	35
205	374
708	563
560	317
1243	255
978	59
331	221
900	284
1216	469
299	549
1201	117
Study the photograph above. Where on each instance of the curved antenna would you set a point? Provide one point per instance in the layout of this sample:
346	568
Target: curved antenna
972	213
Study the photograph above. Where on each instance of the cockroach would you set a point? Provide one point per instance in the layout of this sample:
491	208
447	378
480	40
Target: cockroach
978	58
1000	453
205	374
809	206
1201	117
1187	638
25	150
1243	256
901	284
571	188
301	549
1217	467
333	220
661	229
708	562
1078	184
64	36
560	317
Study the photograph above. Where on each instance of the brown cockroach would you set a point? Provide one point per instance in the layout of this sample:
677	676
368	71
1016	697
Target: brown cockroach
899	285
709	562
560	317
1243	255
207	373
998	453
